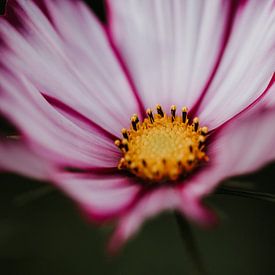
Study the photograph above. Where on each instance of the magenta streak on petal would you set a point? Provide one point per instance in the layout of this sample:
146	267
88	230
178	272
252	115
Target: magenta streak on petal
121	61
43	7
260	97
227	32
106	171
69	110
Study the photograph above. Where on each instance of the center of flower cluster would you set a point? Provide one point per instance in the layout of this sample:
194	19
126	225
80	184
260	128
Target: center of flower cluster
162	147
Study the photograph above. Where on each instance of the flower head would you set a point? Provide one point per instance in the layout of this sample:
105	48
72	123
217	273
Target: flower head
78	91
162	147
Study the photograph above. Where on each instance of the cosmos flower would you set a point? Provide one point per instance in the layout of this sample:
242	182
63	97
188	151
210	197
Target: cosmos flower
145	113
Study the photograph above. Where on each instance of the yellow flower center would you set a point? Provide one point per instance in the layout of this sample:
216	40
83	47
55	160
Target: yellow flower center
162	147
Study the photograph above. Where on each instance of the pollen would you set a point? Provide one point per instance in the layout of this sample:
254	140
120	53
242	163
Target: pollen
162	147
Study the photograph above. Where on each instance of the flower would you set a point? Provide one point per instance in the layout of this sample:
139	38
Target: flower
70	83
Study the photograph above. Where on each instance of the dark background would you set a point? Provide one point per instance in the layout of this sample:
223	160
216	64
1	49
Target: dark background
41	232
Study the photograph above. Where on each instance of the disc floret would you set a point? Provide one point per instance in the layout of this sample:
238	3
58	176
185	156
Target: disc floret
162	147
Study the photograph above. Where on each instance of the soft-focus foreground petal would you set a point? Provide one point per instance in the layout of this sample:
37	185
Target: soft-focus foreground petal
102	197
165	45
150	204
69	59
17	157
47	131
185	52
242	146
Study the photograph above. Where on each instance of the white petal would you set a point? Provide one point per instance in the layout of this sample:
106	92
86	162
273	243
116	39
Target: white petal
15	156
247	64
48	132
242	146
170	47
70	60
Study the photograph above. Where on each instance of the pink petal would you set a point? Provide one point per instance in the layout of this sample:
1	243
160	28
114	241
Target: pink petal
48	132
69	59
247	64
101	197
269	100
17	157
165	45
242	146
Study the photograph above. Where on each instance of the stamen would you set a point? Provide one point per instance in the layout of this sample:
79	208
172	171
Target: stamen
134	120
150	115
201	141
125	144
162	147
184	114
196	124
204	131
173	112
124	133
159	110
118	144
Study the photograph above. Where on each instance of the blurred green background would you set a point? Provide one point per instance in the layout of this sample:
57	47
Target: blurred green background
41	232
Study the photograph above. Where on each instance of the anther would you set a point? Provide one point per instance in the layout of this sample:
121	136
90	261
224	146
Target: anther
125	144
150	115
134	120
173	112
159	110
184	114
196	124
118	144
204	131
201	141
190	148
124	133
